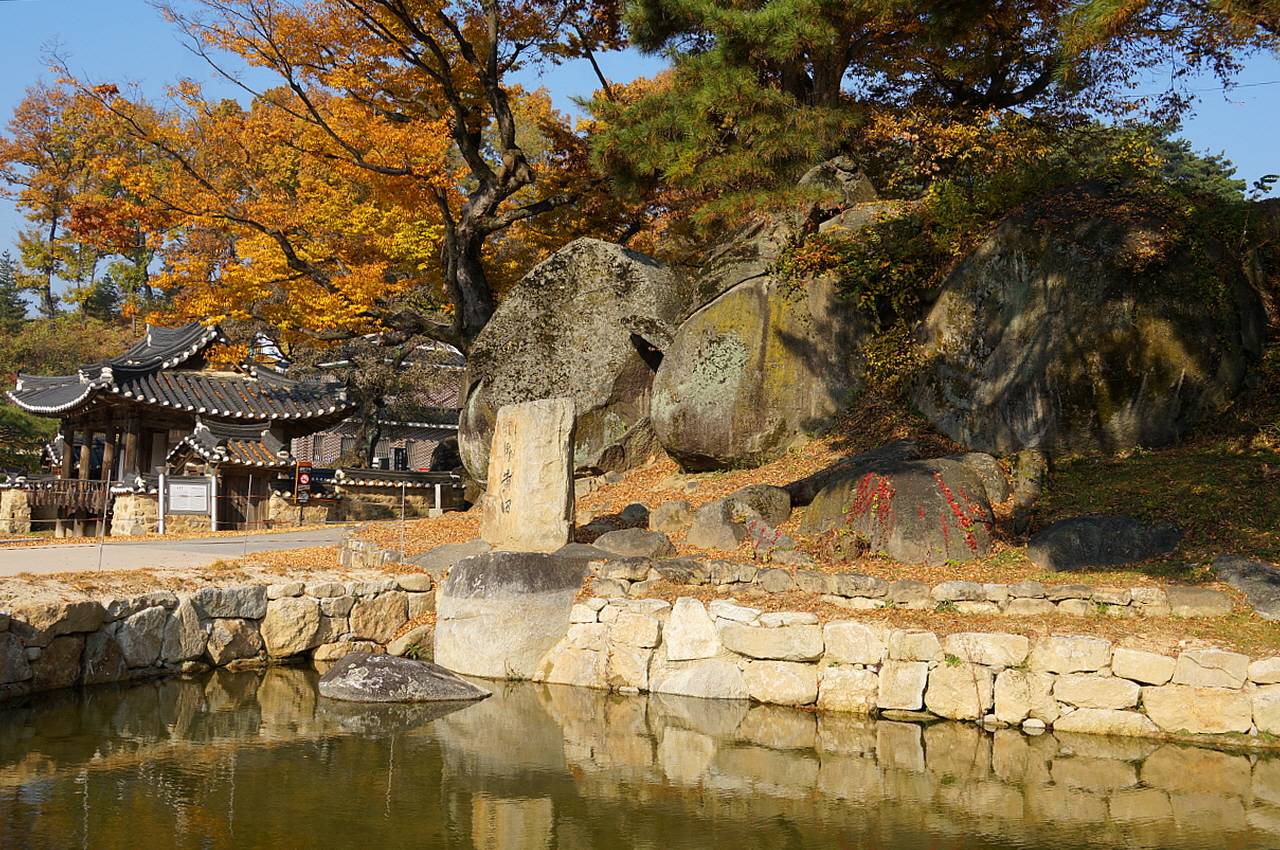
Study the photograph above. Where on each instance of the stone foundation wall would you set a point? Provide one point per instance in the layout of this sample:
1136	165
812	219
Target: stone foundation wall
49	645
370	503
15	512
1071	684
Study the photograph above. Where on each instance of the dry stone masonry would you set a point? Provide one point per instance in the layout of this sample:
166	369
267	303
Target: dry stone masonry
1073	684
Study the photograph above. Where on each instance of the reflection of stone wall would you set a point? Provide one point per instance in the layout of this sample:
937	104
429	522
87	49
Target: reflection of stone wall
1073	684
584	770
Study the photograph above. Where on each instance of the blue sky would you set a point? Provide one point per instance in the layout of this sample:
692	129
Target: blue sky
128	41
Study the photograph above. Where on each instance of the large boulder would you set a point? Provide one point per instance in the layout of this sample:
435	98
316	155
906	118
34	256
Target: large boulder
365	677
921	511
1081	327
755	370
500	614
588	322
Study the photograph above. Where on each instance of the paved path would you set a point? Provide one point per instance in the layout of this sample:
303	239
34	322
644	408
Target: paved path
120	555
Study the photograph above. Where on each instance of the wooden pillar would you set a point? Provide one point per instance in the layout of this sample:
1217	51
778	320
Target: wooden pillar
86	461
110	437
68	439
131	446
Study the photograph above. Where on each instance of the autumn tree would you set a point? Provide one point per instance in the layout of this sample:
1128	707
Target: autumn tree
45	161
366	84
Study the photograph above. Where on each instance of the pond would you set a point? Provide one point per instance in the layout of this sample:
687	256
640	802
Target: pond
256	759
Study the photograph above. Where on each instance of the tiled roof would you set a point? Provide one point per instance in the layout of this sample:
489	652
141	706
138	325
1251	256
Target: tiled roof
241	445
352	477
145	373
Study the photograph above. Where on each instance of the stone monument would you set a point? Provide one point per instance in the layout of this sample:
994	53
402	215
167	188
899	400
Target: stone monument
529	506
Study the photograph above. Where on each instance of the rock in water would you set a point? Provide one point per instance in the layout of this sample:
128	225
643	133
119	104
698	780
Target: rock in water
1079	327
501	613
365	677
530	500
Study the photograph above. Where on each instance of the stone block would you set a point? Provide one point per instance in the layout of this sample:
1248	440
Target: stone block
714	527
1070	655
1108	692
1022	694
1264	672
584	668
690	632
415	582
811	581
232	639
1149	668
848	689
1029	607
635	629
906	592
1266	708
1177	708
957	591
849	642
708	678
782	682
280	591
636	543
184	634
993	650
856	584
41	622
790	643
592	636
902	684
914	645
141	636
1198	602
722	609
379	618
243	603
59	663
291	626
1211	668
500	613
775	580
960	691
1102	721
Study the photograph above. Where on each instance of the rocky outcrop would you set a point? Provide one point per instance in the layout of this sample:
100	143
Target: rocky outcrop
1078	327
365	677
577	325
755	370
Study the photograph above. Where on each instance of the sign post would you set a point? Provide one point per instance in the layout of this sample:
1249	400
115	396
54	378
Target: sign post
302	483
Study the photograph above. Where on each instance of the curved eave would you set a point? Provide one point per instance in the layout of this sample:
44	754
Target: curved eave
32	405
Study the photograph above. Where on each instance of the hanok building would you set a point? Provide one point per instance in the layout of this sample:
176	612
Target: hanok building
164	406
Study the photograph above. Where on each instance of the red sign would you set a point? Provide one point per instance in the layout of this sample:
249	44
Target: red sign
302	483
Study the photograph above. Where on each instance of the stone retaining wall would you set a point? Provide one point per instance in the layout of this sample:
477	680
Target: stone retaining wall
1072	684
49	645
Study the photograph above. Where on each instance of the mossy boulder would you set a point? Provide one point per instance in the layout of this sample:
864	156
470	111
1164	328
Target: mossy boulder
1084	326
751	372
577	325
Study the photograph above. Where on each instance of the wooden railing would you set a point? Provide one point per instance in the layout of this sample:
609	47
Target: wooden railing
71	493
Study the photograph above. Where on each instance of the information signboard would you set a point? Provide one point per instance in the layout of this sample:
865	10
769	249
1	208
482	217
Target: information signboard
187	496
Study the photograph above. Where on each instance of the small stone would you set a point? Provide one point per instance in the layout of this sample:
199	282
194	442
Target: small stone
956	591
610	588
636	542
1076	608
775	580
788	618
1027	590
722	609
905	591
1198	602
626	569
281	591
1029	607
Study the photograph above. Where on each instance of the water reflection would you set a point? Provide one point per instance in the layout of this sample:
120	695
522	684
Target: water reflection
247	759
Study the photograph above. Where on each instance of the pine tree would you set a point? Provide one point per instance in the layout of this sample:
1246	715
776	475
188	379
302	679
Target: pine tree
13	310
